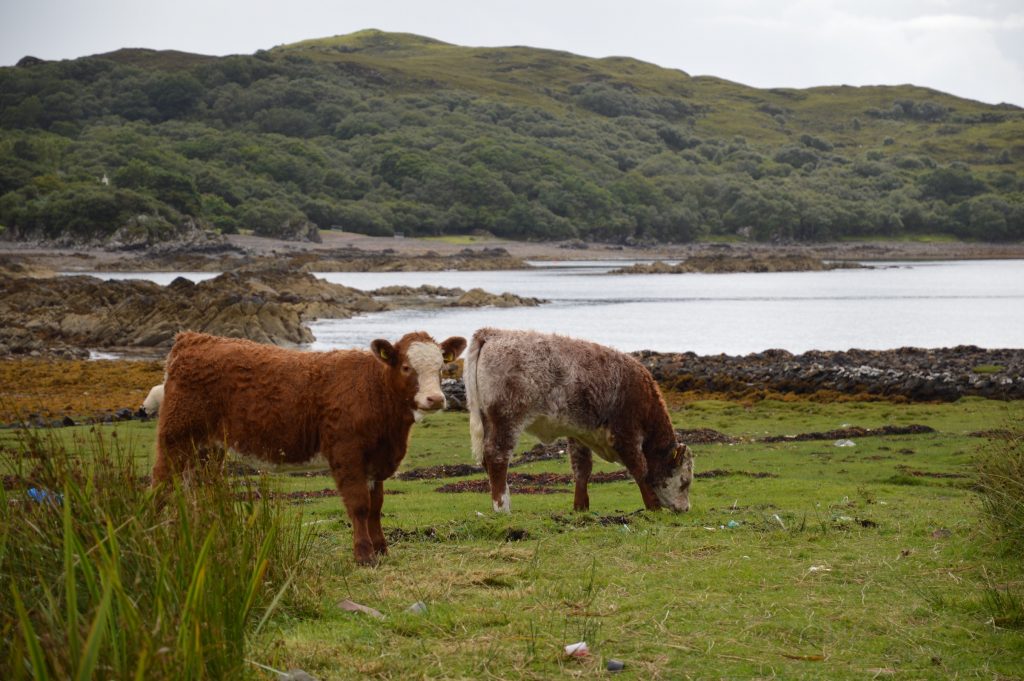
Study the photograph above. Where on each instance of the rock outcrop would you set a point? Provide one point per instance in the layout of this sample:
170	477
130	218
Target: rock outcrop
441	296
65	315
724	264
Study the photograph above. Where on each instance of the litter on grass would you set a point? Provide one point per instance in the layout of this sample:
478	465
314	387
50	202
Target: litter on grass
577	649
44	495
351	606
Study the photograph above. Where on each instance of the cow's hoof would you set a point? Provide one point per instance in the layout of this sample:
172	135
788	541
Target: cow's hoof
370	560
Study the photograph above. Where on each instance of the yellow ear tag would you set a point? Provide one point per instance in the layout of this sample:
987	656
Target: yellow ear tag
448	357
383	354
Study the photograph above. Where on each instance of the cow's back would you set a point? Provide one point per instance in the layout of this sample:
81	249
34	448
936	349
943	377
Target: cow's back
261	400
557	376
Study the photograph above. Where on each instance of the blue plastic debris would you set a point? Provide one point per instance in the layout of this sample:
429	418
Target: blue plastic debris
42	496
732	524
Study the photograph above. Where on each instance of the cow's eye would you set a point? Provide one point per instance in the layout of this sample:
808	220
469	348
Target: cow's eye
406	369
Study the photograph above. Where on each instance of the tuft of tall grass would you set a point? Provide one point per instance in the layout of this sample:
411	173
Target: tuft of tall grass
1000	469
101	579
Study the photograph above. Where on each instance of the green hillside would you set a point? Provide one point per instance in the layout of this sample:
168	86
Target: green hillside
380	132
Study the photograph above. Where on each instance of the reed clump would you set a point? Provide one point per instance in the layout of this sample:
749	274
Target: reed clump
1000	470
103	577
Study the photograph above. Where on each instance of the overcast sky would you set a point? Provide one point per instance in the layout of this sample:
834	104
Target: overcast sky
970	48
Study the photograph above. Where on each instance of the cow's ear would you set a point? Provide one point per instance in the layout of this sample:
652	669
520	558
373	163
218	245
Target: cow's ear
452	348
682	453
384	351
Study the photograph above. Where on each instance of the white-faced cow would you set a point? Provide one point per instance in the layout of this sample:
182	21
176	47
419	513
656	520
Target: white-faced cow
604	401
284	406
151	405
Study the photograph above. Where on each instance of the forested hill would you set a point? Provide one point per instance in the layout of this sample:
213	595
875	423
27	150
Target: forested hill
380	132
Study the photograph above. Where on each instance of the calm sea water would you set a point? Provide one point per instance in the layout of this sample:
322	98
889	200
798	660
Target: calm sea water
924	304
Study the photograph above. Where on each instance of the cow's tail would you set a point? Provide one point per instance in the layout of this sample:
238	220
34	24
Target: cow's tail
476	418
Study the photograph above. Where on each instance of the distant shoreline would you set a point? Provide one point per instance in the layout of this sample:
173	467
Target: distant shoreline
470	252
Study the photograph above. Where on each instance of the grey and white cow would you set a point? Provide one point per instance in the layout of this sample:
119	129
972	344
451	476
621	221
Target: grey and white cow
604	401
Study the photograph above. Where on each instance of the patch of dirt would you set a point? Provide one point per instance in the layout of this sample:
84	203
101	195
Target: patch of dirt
541	452
583	520
704	436
434	534
906	470
483	486
599	478
998	434
457	470
849	433
721	473
521	483
395	534
297	495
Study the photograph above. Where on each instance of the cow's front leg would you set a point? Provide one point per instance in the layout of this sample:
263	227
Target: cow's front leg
582	464
356	496
380	544
497	474
499	441
637	467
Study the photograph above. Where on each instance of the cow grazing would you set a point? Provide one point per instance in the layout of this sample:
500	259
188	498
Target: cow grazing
284	406
604	401
151	405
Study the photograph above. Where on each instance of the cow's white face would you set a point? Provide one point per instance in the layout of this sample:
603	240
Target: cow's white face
425	359
674	491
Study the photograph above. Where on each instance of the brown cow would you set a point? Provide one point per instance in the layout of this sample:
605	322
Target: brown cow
602	400
285	406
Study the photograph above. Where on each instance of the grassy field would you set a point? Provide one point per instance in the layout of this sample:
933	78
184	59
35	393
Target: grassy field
865	561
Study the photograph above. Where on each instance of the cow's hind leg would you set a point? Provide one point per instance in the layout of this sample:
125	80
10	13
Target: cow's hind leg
380	544
582	464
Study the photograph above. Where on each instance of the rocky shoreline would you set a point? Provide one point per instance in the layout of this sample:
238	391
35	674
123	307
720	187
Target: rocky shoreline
49	391
346	251
909	374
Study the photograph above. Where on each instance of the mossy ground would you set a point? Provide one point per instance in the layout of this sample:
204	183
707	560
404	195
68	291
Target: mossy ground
853	562
57	388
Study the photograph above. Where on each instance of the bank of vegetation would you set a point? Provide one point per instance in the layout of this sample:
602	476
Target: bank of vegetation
391	133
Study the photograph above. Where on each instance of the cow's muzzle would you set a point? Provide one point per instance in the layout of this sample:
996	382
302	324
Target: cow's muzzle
430	402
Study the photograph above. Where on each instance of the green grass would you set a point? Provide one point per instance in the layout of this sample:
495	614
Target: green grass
836	568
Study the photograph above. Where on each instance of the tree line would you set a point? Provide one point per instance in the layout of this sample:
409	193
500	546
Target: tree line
274	141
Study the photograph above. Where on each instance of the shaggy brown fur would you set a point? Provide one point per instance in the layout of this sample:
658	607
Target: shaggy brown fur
285	406
604	401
